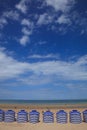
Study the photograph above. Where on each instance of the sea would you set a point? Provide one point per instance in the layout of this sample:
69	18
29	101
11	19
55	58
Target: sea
50	102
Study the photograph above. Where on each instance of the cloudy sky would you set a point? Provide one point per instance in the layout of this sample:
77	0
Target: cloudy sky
43	49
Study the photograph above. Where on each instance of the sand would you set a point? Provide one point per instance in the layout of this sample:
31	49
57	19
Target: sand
41	125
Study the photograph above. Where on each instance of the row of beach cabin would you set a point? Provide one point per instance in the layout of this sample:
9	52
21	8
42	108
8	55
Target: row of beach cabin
48	117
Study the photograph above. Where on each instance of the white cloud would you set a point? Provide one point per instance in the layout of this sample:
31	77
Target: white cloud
26	31
13	15
61	69
52	56
52	70
41	19
2	49
22	6
50	18
44	19
27	26
79	21
63	6
3	22
64	20
82	61
60	5
24	40
35	80
27	23
9	67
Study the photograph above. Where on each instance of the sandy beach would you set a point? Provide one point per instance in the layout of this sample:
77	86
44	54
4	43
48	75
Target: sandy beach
41	125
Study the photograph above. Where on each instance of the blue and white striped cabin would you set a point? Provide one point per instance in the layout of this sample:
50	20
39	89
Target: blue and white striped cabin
34	116
22	116
1	115
9	116
85	116
48	117
61	117
75	117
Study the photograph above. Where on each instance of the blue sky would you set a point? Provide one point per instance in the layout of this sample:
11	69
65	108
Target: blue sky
43	49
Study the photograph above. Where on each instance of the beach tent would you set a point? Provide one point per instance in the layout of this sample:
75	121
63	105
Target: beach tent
85	116
1	115
61	117
22	116
75	117
34	116
9	116
48	117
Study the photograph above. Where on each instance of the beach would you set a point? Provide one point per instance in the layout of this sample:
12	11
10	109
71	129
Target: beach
43	126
